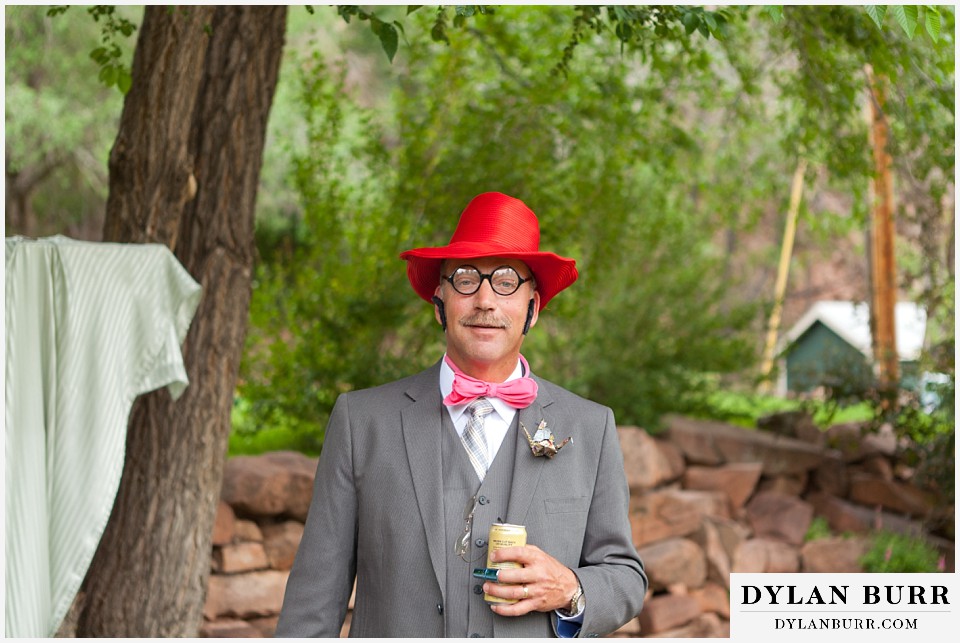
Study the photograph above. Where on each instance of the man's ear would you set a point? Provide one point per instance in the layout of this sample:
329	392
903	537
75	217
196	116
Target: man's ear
533	312
438	310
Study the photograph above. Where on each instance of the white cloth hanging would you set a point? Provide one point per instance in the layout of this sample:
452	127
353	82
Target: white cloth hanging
89	326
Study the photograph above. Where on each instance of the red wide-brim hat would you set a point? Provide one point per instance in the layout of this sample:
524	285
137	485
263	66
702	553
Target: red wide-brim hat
493	225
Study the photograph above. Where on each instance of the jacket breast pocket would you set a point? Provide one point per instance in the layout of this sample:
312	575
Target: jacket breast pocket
565	523
579	504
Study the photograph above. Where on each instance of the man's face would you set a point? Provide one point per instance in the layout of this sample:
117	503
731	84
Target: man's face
485	329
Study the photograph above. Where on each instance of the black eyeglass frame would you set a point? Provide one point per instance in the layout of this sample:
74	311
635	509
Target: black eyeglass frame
488	277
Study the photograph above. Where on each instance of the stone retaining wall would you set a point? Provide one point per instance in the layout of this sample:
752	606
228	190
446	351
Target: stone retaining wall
707	499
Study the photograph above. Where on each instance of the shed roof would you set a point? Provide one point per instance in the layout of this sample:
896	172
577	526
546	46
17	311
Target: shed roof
851	321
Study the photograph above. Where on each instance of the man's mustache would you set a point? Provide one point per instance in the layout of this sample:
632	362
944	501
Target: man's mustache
486	320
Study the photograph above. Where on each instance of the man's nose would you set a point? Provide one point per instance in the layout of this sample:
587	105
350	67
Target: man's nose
485	298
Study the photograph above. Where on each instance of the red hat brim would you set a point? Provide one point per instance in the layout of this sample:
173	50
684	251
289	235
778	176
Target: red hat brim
552	272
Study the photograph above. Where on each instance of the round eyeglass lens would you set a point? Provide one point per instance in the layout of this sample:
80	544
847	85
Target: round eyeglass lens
466	281
505	281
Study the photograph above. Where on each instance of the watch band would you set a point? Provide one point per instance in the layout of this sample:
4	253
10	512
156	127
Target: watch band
575	600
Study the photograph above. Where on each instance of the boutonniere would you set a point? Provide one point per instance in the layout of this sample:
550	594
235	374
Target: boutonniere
543	442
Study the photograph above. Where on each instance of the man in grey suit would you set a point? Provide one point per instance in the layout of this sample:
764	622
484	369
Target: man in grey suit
414	473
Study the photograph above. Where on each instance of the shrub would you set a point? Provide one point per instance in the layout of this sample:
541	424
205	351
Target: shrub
899	553
819	528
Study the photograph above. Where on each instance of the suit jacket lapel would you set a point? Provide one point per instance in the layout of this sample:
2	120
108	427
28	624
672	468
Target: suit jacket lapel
421	435
526	467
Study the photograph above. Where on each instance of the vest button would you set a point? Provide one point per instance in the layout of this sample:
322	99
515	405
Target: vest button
483	500
478	589
439	608
480	542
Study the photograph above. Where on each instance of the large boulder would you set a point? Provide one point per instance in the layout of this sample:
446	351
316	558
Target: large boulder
718	560
713	597
272	484
245	595
229	628
281	542
737	480
843	516
223	524
834	555
667	513
677	561
713	443
646	462
704	626
667	611
875	490
780	516
239	557
832	477
766	555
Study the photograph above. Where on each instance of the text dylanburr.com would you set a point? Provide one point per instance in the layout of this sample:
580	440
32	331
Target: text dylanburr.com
858	607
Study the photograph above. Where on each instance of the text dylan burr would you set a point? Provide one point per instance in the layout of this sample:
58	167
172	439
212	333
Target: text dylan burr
837	595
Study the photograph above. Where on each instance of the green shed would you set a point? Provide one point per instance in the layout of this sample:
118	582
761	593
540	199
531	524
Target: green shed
831	346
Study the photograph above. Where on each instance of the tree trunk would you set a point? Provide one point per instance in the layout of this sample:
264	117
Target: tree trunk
20	187
184	172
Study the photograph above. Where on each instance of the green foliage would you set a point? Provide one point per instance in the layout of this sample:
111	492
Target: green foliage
328	306
897	553
608	168
627	159
110	57
745	409
819	528
60	122
247	439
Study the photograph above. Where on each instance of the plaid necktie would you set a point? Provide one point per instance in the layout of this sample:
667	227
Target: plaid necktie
473	439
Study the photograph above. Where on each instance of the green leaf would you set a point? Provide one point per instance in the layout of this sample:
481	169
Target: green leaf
710	20
876	12
124	81
310	9
465	10
906	16
439	34
108	75
412	7
690	22
933	23
774	11
100	55
388	39
624	31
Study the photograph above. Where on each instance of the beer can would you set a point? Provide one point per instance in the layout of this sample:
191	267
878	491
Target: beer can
504	535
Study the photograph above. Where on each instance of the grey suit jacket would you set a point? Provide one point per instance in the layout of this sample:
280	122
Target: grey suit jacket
376	514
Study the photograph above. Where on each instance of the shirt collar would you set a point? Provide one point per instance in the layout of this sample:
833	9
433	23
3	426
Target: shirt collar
503	409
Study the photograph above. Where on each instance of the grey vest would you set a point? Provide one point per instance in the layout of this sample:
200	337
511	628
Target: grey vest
465	611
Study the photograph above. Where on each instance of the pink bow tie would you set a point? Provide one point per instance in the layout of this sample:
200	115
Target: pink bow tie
518	393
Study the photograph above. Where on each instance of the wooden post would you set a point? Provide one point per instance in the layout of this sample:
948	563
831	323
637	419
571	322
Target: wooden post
780	289
882	265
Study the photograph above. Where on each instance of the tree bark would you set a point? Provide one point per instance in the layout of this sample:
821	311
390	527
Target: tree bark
184	172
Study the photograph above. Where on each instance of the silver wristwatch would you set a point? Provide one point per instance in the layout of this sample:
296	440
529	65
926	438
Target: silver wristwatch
577	603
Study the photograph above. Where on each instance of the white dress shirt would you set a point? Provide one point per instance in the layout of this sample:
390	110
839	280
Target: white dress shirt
495	425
